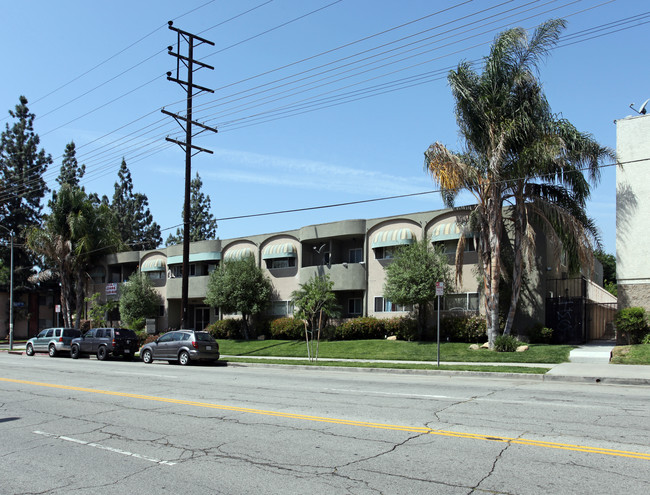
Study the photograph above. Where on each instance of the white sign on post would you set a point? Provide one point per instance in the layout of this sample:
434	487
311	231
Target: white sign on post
440	288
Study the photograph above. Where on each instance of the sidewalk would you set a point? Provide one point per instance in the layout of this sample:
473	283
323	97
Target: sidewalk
588	363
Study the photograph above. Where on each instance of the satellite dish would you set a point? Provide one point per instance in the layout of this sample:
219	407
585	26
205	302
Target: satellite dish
643	109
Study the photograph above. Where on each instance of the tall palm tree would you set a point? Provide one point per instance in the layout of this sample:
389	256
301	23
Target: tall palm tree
510	133
76	233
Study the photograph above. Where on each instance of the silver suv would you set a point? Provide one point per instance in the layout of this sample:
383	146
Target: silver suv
52	341
181	346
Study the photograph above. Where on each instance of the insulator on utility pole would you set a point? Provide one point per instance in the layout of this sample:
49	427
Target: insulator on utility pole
186	123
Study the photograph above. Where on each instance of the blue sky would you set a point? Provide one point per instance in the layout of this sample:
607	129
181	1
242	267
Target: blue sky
358	107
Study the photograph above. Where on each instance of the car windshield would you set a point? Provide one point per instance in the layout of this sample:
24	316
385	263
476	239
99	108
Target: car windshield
204	337
124	332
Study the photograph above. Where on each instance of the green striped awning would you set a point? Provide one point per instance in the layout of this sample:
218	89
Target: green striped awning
283	250
153	265
397	237
238	254
448	231
195	257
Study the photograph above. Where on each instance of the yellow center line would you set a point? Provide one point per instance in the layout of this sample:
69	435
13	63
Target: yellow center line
363	424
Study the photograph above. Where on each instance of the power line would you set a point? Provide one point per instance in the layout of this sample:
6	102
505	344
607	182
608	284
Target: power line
283	110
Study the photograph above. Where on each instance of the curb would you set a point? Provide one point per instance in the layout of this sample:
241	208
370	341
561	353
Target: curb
451	373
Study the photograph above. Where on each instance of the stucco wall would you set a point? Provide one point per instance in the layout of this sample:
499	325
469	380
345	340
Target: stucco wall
633	210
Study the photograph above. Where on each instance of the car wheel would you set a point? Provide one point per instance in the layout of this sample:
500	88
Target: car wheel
74	352
102	354
52	351
29	350
184	358
147	357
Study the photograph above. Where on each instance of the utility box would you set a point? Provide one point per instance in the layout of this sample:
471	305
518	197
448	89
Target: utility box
151	326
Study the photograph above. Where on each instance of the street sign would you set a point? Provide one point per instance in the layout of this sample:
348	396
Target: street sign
111	289
57	308
440	288
19	304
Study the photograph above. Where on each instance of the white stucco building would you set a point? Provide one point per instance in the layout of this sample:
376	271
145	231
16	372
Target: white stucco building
633	211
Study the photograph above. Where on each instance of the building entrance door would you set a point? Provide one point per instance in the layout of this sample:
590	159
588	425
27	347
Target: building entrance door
201	318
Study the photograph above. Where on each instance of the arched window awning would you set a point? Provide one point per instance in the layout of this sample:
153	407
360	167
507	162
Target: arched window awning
449	231
280	250
238	254
397	237
153	265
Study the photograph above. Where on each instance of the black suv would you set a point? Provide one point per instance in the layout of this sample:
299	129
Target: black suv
106	342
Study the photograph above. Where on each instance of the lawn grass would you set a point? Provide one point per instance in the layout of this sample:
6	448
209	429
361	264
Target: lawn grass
410	366
394	350
631	354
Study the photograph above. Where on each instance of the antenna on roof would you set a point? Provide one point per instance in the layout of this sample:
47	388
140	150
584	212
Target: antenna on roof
643	109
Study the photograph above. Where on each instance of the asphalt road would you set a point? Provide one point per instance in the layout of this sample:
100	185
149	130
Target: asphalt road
117	427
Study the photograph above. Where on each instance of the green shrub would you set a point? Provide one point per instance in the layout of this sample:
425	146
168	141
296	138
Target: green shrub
539	334
404	328
463	329
646	339
631	324
361	328
287	328
229	328
506	343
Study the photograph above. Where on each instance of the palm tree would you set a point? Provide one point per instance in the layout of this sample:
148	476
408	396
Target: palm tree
75	235
510	133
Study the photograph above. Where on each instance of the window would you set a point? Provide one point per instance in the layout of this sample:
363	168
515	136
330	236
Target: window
384	305
41	334
385	253
49	333
467	301
212	267
99	333
355	255
177	271
281	263
155	275
281	308
355	306
168	337
161	310
192	270
58	332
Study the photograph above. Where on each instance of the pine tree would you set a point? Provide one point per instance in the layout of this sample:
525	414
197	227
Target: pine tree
135	221
71	172
203	225
22	186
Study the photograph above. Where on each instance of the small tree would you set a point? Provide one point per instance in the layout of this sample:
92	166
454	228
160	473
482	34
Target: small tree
411	277
314	301
98	310
239	286
138	301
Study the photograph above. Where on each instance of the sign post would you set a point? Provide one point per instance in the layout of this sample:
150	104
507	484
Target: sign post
440	290
57	309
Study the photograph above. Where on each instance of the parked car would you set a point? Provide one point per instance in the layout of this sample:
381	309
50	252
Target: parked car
52	341
106	342
181	346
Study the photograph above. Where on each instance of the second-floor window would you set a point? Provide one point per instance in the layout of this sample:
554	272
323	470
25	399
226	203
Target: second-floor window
355	256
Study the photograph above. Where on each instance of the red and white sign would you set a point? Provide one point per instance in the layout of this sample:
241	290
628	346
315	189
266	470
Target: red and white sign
440	288
111	289
57	308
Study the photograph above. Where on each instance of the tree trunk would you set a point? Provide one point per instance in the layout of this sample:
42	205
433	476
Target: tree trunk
517	270
493	275
80	290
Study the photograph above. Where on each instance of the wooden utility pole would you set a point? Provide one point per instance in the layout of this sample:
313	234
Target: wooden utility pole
186	123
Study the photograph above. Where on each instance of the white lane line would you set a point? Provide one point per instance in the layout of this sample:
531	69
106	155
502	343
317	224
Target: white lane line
103	447
143	374
392	393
